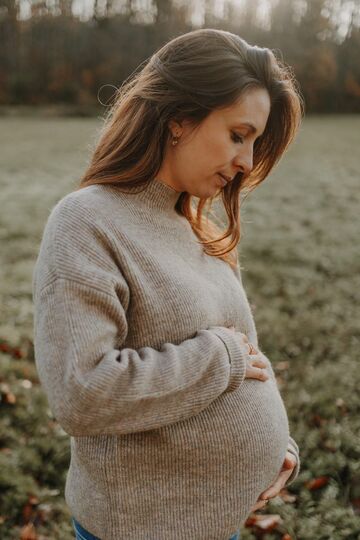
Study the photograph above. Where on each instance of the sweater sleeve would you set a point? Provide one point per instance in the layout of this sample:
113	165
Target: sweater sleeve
94	384
292	445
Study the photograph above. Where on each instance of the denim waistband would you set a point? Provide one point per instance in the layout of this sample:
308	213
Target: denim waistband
81	533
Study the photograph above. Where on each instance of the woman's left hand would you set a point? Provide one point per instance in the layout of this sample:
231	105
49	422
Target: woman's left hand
272	491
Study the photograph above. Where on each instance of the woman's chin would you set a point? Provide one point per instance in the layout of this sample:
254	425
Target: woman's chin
210	190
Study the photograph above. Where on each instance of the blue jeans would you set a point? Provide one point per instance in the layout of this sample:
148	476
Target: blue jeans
83	534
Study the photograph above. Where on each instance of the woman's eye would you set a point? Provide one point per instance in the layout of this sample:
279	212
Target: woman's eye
237	138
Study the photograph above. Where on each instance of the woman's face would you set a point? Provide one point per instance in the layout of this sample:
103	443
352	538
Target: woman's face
222	143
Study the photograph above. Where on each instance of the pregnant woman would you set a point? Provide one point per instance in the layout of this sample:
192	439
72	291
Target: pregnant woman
144	339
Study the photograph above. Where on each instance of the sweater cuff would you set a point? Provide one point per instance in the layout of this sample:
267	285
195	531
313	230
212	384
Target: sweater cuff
237	355
294	450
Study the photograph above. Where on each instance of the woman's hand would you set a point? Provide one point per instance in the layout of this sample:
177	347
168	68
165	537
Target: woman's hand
274	490
255	366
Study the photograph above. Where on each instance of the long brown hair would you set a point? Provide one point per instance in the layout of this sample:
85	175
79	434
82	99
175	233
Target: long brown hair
187	78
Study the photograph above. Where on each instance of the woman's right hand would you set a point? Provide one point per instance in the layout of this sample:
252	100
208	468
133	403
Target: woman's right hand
255	366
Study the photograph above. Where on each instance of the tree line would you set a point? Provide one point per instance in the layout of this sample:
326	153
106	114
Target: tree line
58	54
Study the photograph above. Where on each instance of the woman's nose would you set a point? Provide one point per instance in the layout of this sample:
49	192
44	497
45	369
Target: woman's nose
244	161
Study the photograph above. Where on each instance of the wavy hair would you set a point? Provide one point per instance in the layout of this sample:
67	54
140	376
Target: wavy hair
187	78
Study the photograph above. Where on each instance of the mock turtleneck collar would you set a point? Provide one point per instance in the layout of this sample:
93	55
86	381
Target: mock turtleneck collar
156	194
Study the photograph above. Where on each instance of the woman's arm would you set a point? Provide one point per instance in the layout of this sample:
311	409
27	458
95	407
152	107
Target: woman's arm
94	384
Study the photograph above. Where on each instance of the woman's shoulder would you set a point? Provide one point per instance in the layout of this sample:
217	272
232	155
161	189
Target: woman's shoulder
74	237
78	221
91	206
89	198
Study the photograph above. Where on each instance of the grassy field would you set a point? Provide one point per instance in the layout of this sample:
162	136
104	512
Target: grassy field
301	270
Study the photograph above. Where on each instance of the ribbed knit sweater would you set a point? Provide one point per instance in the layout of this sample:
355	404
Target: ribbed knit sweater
169	440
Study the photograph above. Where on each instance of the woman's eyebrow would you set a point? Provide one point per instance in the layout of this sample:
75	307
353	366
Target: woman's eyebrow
251	127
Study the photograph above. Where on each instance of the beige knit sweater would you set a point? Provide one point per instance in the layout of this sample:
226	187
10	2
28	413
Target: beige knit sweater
132	346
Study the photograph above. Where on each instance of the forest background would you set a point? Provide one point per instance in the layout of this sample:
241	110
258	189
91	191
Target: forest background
63	51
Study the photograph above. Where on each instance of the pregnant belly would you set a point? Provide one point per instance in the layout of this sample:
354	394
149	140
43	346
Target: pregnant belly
221	458
242	435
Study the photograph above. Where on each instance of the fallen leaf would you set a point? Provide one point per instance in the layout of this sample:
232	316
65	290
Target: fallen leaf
28	532
317	483
268	522
264	522
4	347
10	398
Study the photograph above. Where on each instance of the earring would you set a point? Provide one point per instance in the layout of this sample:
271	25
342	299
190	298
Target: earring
175	140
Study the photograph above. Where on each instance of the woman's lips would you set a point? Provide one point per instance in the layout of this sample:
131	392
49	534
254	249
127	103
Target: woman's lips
225	179
222	180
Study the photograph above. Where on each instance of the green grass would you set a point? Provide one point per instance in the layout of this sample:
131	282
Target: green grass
301	261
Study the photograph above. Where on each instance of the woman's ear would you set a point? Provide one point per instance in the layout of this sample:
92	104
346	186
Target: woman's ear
175	128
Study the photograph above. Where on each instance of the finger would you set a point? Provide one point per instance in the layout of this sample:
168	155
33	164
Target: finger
252	349
275	489
258	505
289	462
260	373
258	363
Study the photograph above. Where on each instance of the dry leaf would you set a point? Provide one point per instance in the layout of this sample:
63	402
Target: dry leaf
4	347
268	522
265	522
28	532
10	398
317	483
